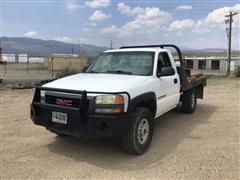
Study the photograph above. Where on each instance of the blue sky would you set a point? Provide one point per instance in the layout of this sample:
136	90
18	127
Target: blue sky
193	24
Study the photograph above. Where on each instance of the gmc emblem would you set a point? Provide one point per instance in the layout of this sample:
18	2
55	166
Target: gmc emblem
63	102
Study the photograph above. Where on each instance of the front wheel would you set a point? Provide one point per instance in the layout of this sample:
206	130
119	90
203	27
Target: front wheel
139	135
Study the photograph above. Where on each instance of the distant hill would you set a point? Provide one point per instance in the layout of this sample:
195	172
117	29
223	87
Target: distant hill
38	47
210	52
214	50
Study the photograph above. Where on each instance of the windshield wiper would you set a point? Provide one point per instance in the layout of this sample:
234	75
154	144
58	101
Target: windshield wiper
119	72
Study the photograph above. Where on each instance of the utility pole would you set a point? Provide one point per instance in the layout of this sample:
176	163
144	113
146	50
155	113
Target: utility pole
111	44
229	22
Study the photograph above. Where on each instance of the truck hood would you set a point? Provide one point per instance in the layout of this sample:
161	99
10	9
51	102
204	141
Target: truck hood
98	82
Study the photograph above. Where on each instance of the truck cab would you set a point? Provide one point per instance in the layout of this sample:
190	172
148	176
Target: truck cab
120	94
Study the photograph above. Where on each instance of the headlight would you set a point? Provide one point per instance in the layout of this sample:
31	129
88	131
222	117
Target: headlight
109	99
109	104
42	96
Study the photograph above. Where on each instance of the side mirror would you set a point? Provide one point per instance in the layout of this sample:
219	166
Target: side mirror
166	71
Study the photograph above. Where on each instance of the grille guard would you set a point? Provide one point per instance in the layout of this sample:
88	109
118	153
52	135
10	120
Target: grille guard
83	102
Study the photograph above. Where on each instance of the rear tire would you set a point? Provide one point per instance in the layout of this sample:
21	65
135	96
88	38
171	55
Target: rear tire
189	101
139	134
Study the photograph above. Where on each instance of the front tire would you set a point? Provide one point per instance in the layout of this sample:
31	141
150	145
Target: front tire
189	101
139	135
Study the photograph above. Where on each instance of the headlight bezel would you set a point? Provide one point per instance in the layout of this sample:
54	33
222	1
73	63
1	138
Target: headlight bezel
109	99
109	104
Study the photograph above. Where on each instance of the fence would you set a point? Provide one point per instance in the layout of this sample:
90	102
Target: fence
24	67
41	67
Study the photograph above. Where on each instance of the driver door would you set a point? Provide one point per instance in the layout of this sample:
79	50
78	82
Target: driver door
168	87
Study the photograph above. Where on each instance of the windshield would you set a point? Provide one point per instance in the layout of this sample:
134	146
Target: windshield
131	63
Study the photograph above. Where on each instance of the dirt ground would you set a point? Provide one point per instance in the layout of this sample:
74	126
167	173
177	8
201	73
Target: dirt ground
203	145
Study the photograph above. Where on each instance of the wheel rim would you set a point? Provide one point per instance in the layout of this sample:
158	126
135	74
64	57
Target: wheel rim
143	131
193	100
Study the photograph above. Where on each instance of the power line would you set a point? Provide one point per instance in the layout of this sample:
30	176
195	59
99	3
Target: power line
229	21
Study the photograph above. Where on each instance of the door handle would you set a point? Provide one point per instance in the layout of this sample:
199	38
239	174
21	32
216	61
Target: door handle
175	81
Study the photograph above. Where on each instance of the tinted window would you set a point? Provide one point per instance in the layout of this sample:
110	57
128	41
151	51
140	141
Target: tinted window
202	64
163	60
215	65
190	64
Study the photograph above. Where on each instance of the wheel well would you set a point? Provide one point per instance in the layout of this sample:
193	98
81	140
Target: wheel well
199	92
149	104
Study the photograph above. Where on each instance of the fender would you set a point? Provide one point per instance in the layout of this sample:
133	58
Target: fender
147	100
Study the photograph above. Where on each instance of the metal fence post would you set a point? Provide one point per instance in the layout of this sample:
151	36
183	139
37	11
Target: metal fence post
52	66
27	65
5	68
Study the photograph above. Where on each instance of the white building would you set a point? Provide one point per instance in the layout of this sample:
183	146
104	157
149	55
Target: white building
212	65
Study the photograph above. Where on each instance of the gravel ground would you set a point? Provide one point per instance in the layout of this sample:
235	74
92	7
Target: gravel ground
203	145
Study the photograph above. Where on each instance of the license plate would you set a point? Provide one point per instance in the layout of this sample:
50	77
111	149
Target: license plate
59	117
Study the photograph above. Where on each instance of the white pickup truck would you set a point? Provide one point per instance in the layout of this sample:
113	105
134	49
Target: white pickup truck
120	94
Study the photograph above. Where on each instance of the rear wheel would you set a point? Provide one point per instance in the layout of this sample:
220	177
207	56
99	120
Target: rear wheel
189	101
139	135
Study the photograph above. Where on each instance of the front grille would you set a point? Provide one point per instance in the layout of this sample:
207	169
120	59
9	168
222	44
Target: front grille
75	102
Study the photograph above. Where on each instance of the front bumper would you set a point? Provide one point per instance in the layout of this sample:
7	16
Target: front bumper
78	125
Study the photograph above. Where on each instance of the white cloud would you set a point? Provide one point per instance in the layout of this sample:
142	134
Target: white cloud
184	7
92	4
148	22
73	6
31	33
236	8
93	24
181	25
236	39
64	39
111	29
214	19
85	29
124	9
98	3
99	16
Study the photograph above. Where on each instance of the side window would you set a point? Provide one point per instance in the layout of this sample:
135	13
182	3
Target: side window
163	60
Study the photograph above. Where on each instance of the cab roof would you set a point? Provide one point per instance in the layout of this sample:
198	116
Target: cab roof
138	49
152	48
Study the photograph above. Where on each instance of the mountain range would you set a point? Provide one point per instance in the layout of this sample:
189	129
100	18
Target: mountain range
39	47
